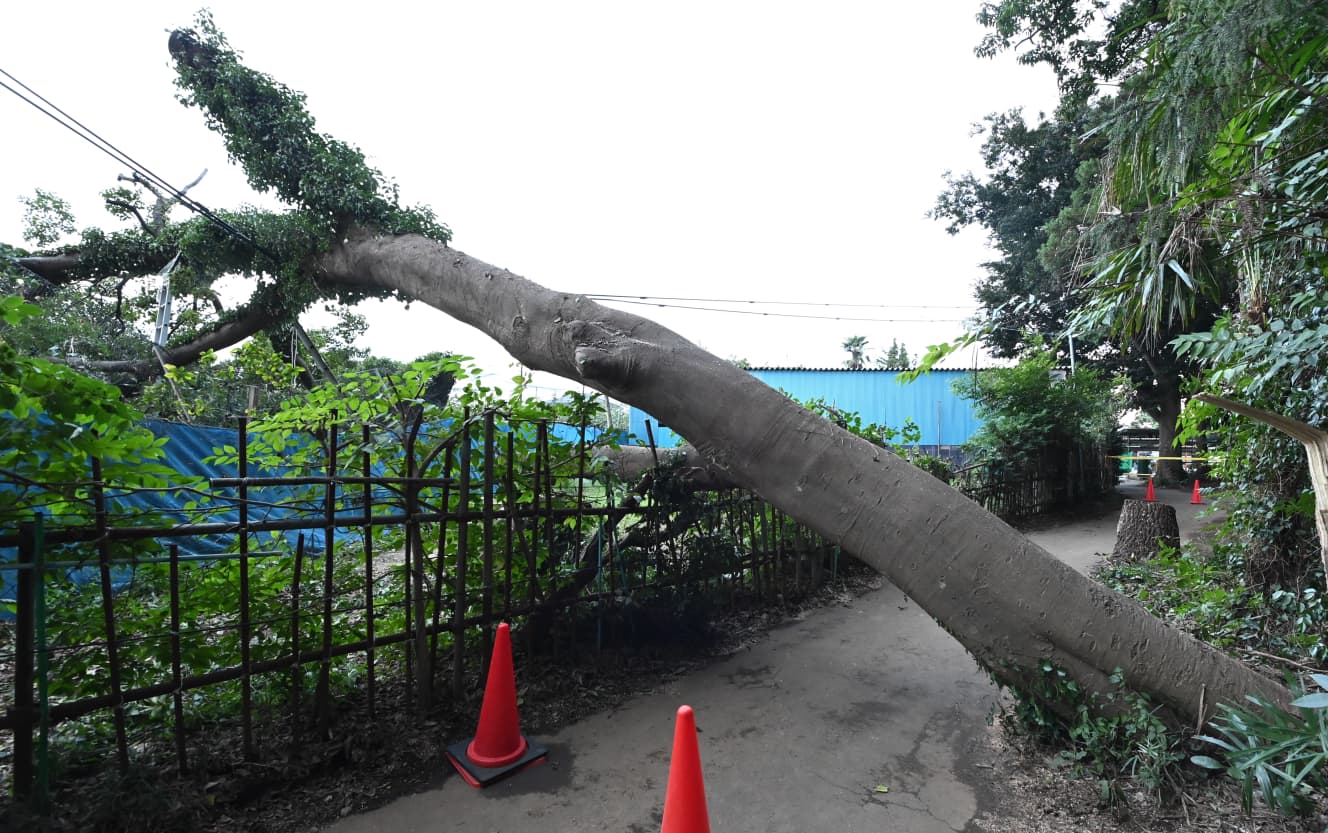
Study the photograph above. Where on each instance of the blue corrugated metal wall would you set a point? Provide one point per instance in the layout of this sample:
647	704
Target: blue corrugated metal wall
876	395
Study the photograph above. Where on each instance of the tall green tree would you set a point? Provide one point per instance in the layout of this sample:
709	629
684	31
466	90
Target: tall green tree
1201	230
895	357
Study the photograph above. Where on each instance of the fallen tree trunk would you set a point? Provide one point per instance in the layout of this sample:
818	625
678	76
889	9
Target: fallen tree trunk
1010	603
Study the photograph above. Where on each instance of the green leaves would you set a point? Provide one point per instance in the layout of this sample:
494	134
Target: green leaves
1284	754
14	309
53	422
1033	407
269	131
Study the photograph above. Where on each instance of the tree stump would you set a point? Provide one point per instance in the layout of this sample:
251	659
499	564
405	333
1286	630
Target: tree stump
1144	528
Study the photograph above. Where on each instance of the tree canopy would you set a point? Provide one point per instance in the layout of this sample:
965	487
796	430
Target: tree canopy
1189	244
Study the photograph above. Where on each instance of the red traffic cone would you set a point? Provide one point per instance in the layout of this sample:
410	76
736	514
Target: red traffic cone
499	749
1148	495
1196	497
685	801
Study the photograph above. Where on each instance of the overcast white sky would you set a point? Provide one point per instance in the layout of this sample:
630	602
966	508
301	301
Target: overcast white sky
762	151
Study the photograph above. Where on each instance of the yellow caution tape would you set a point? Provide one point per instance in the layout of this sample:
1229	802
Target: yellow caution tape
1146	457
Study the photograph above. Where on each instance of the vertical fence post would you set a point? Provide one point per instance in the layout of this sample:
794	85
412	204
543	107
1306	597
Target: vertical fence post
177	692
43	792
366	464
580	524
531	545
753	545
24	629
297	666
487	591
108	613
324	693
463	547
509	498
415	567
246	633
440	562
550	555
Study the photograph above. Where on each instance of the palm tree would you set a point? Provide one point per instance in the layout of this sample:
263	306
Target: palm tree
857	352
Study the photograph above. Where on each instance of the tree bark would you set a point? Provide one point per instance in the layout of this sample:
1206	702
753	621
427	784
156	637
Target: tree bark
1010	603
1144	528
1168	472
631	462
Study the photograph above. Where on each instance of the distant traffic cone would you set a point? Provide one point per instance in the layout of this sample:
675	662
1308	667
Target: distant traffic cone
499	749
1196	497
685	801
1148	495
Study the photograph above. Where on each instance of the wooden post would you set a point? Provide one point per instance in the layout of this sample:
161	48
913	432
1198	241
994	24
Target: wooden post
366	465
246	630
323	694
108	615
177	691
459	573
23	661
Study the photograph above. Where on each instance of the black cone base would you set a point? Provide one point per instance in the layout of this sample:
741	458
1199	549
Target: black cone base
483	776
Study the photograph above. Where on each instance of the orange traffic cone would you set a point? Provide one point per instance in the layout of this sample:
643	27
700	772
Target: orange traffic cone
499	749
1196	497
685	801
1148	495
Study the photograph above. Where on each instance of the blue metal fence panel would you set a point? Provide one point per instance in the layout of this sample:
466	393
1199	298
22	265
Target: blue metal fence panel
942	416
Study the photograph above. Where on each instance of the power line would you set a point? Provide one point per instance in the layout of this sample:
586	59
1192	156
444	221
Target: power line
789	314
90	136
93	138
150	178
608	296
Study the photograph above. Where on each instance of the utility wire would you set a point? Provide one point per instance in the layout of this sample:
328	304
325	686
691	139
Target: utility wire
93	138
790	314
90	136
608	296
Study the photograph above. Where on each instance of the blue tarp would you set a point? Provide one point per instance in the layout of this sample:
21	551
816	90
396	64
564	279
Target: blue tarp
187	451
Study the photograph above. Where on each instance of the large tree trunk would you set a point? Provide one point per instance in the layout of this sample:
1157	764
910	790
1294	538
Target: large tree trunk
1169	470
1007	600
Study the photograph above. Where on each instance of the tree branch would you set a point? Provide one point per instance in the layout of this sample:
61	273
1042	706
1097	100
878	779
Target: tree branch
250	321
1307	434
130	207
58	269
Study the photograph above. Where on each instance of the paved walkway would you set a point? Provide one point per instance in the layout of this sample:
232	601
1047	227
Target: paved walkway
796	734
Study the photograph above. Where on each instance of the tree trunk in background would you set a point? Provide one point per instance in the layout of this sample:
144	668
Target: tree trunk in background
1168	472
1009	602
1144	528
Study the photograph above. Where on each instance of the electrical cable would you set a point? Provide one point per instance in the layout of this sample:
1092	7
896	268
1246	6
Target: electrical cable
792	314
93	138
607	296
90	136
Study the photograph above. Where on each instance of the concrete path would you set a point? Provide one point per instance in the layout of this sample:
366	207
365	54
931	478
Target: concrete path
864	717
1080	544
